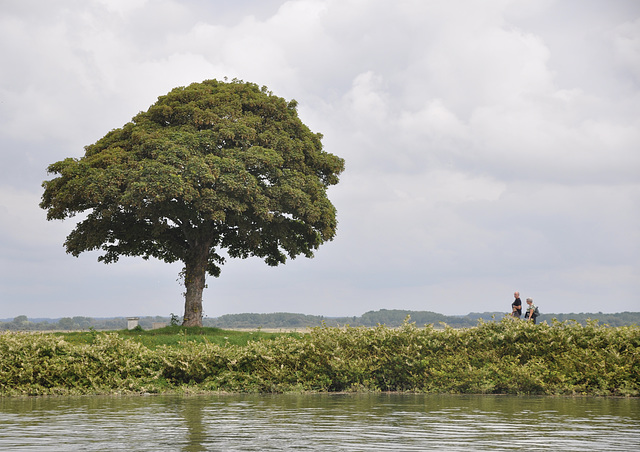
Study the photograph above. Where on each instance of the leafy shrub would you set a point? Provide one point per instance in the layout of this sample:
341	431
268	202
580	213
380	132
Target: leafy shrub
505	357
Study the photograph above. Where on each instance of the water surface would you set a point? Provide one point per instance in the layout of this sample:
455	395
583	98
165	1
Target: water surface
319	422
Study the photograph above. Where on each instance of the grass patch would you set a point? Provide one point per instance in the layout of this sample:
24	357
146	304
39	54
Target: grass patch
177	336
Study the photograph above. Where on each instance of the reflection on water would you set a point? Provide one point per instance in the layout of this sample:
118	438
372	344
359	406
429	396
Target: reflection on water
336	422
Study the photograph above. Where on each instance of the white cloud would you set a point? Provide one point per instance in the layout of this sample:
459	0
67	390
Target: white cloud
627	47
366	99
487	145
122	6
22	220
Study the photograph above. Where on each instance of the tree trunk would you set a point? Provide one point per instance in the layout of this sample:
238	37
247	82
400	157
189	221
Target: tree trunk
194	282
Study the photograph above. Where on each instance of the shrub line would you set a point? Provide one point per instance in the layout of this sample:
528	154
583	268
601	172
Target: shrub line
496	357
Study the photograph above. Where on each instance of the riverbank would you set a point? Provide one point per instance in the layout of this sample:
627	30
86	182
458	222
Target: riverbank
505	357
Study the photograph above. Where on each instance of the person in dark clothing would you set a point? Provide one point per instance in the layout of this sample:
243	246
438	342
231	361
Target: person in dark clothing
516	306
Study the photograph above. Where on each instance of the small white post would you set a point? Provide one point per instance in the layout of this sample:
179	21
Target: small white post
132	322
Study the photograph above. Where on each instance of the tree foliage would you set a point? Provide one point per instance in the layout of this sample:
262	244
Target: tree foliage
209	167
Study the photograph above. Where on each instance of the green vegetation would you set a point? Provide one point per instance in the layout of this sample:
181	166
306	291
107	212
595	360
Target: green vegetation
176	336
285	320
504	357
212	166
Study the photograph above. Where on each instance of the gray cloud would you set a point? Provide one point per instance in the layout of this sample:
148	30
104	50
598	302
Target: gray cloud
490	147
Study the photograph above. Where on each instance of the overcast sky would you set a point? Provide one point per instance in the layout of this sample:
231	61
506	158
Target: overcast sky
490	146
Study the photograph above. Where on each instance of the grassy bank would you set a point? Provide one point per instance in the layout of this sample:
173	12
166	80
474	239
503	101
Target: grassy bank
506	357
176	336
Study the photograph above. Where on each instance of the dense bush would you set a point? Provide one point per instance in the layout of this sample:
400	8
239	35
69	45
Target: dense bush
506	357
36	363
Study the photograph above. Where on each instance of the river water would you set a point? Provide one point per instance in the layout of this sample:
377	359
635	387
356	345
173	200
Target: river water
319	422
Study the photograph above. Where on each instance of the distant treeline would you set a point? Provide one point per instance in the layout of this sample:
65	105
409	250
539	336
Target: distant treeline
22	323
395	318
390	317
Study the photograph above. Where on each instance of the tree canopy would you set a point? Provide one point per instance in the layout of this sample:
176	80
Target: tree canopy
209	167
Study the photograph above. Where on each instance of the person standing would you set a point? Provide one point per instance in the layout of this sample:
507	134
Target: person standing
516	306
531	311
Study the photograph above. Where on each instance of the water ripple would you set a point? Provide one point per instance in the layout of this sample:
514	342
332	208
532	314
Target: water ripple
381	422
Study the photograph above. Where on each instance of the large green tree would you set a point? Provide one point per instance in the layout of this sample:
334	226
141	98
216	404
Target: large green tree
209	167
